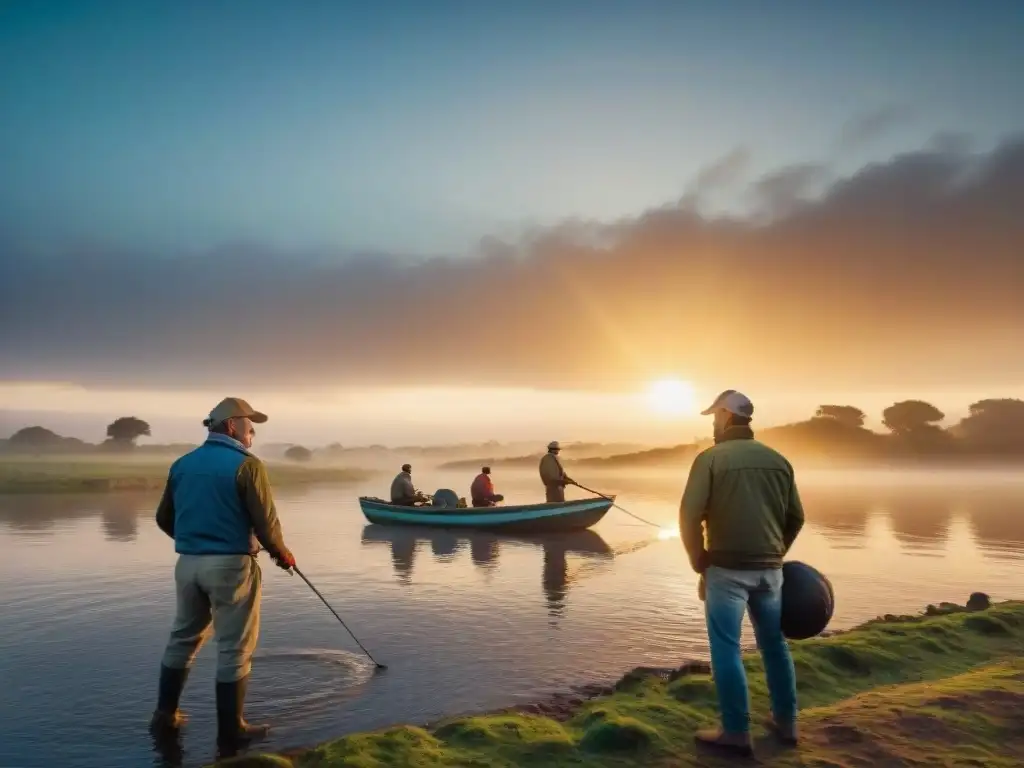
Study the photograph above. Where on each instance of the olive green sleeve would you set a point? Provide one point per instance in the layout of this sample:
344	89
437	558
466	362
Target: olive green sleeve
165	509
693	509
254	487
794	515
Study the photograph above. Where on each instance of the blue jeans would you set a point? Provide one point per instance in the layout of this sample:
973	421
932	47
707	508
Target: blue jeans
728	594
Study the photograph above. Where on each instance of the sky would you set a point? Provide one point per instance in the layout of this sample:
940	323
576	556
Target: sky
479	217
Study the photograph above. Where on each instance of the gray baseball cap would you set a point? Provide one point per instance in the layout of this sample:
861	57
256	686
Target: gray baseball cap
732	401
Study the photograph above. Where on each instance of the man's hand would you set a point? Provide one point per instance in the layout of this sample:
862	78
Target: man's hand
702	588
285	559
703	562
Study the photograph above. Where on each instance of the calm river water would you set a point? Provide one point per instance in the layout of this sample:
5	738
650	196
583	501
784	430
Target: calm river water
465	622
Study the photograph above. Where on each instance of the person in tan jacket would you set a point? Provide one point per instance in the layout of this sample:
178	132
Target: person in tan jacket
553	475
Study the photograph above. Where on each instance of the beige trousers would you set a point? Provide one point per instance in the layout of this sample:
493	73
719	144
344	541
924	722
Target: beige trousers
222	593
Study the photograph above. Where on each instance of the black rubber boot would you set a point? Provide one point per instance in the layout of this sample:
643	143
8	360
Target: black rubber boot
233	732
167	716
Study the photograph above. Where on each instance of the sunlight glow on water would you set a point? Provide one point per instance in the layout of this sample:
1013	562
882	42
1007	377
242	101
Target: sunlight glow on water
465	622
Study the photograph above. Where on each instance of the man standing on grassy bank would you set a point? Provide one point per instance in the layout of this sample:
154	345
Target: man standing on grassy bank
218	508
746	495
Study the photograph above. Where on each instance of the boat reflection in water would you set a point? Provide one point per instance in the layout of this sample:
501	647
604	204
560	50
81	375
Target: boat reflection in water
484	548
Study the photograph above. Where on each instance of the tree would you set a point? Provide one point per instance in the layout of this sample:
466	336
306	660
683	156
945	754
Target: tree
1006	410
127	429
298	453
910	416
996	424
846	415
34	438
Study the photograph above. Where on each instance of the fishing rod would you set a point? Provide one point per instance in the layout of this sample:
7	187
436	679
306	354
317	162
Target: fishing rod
614	504
341	621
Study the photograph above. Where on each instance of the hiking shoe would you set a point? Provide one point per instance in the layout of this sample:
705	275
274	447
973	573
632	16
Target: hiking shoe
735	743
785	734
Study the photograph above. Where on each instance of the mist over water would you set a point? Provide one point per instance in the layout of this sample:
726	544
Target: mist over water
464	621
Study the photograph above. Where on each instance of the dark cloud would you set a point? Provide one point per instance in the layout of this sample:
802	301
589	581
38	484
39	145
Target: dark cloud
868	127
779	192
722	173
907	273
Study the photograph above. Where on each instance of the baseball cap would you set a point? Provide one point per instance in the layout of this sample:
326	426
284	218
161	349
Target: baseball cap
233	408
732	401
554	446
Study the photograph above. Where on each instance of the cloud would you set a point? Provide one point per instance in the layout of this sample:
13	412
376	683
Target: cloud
872	125
904	273
779	192
722	173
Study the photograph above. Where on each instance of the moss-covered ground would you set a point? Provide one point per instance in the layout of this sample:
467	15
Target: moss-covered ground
937	690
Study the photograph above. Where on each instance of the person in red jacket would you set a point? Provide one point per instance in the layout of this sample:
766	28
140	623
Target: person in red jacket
482	490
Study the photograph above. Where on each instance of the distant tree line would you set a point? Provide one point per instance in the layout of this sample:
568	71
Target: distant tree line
121	436
992	423
991	427
992	430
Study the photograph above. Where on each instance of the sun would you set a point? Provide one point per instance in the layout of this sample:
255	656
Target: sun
671	397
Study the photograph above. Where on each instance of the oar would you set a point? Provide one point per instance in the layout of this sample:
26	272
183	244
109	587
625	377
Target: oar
617	506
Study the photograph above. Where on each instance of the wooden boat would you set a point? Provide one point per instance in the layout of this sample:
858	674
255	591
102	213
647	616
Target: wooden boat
572	515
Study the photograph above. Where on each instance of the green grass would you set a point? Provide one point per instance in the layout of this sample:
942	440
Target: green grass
89	474
928	690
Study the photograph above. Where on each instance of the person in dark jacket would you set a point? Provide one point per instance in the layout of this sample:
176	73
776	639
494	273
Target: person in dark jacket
745	494
218	507
481	491
403	492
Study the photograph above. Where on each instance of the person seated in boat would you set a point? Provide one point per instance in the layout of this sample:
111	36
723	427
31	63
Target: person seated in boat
482	490
553	475
402	490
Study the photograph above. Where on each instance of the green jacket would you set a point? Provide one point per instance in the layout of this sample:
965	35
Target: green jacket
745	493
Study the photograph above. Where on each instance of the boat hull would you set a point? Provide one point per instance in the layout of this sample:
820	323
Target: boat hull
584	543
530	518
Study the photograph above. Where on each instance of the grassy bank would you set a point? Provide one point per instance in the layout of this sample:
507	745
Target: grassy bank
87	474
927	690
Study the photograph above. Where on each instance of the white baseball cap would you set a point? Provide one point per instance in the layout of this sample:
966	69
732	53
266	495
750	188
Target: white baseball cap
732	401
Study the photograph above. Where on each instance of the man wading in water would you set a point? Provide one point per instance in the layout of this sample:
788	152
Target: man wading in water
745	493
218	508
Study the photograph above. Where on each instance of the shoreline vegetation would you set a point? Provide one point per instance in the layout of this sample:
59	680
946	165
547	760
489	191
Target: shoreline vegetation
96	474
943	688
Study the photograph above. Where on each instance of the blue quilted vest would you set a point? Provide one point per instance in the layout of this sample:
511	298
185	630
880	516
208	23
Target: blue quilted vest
209	514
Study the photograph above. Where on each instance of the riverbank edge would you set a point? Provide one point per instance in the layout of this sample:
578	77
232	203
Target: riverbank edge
648	716
22	477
